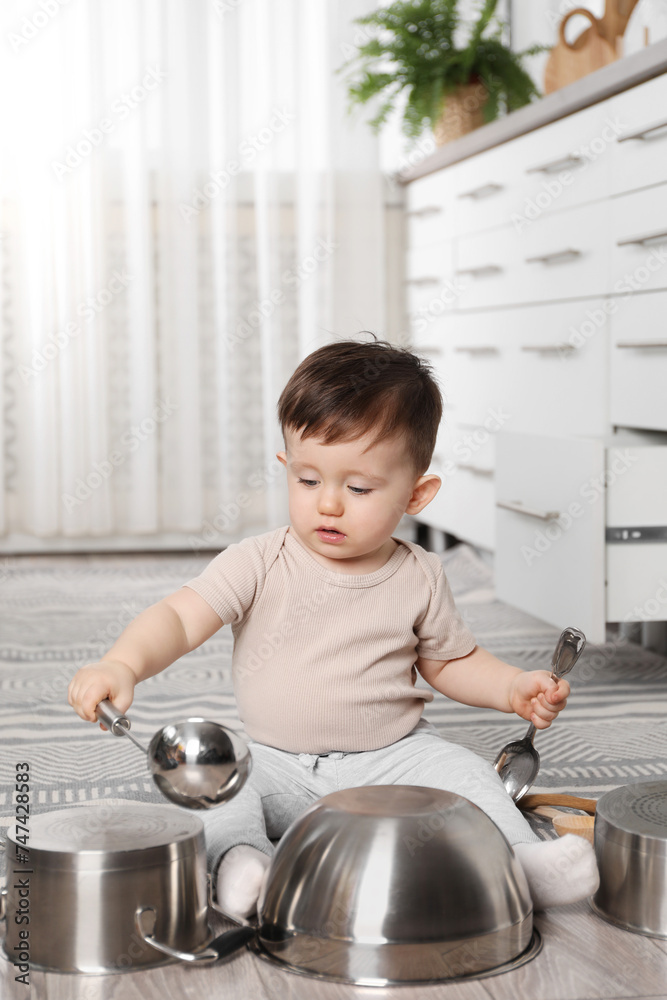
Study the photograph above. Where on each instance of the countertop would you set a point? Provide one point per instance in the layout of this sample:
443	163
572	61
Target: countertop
598	86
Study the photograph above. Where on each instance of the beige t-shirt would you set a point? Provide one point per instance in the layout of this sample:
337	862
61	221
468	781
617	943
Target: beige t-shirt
325	660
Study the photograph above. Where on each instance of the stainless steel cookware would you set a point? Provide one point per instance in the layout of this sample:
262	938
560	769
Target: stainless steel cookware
375	885
88	870
518	763
389	884
631	848
195	763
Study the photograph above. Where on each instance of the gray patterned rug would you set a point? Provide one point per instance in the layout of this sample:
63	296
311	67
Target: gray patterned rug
61	612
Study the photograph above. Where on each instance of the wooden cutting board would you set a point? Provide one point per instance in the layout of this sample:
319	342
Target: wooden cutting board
569	62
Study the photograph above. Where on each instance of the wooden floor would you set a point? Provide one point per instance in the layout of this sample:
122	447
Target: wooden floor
583	957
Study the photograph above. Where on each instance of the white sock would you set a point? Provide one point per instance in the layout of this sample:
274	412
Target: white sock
241	878
559	871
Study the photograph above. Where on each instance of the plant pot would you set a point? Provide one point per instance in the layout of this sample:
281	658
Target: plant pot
462	112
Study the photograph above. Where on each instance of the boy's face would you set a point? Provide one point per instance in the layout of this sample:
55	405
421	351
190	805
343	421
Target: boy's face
361	490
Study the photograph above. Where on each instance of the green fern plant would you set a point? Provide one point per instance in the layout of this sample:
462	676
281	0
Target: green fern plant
410	45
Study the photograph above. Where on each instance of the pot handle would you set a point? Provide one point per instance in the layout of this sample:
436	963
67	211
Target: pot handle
225	944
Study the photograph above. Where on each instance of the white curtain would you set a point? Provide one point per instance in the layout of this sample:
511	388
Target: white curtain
187	211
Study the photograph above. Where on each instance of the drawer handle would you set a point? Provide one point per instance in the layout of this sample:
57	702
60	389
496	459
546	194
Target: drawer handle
425	349
548	348
643	239
423	282
478	470
557	255
562	164
421	213
641	132
483	191
518	508
630	344
481	349
482	271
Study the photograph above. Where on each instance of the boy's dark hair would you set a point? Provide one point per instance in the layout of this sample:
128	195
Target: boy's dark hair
349	388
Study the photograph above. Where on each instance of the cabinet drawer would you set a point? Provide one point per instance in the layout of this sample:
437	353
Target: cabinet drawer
637	582
470	366
637	490
464	505
638	396
560	165
639	240
555	367
550	529
430	205
640	153
429	268
565	163
563	255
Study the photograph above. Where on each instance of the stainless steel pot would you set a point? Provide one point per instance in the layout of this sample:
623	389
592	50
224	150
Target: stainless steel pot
375	885
89	870
395	884
631	849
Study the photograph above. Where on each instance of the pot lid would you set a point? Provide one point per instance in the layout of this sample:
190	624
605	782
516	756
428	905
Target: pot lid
635	813
113	836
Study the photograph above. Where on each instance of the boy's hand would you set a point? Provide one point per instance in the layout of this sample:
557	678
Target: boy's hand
92	684
535	696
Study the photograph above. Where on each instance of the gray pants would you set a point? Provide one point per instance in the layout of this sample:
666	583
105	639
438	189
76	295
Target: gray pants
282	785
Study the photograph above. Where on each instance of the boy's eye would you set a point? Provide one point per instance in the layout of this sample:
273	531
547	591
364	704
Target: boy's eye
358	491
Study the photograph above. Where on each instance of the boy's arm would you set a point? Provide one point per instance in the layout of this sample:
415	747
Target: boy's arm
159	635
164	632
482	680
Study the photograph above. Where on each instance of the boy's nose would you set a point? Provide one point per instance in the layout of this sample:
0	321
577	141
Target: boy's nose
330	502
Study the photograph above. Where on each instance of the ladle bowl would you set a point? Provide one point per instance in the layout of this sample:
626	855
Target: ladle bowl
195	763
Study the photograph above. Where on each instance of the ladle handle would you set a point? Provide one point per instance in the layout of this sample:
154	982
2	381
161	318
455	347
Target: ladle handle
115	721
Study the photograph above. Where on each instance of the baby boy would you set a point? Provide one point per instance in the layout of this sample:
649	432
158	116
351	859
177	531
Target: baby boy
333	618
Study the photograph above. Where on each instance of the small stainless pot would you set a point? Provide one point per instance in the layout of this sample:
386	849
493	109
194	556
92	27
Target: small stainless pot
631	850
88	871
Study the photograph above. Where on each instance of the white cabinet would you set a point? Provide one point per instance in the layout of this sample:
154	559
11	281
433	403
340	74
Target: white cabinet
568	510
639	361
542	303
550	528
640	157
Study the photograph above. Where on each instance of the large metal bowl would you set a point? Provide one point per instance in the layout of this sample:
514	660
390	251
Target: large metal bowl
389	884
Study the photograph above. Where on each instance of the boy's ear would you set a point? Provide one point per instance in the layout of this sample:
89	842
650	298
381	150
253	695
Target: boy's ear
282	457
423	492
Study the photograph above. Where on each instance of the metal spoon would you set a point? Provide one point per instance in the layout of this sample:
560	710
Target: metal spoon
518	762
195	763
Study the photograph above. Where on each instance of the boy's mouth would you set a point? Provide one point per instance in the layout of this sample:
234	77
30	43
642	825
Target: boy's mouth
330	534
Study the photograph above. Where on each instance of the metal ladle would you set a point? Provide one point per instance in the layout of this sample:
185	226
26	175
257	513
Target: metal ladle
195	763
518	762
